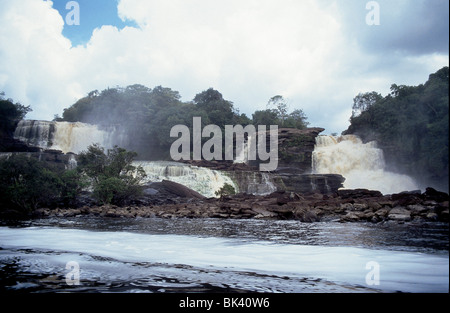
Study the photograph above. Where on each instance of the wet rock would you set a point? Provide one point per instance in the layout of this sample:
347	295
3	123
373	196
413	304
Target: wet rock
417	209
305	215
433	194
382	213
358	193
399	214
352	217
444	215
263	213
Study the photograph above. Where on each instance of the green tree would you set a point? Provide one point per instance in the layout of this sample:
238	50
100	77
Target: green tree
226	190
115	179
26	183
11	113
297	119
363	101
410	124
266	117
280	105
71	184
220	111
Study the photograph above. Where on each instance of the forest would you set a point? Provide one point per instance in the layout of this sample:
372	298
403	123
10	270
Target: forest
148	114
411	126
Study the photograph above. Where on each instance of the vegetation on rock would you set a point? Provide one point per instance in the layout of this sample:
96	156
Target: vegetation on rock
411	125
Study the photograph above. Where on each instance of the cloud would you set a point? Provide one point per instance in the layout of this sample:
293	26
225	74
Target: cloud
307	51
406	27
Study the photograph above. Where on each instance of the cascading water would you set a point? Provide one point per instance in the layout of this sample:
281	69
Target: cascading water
67	137
361	164
202	180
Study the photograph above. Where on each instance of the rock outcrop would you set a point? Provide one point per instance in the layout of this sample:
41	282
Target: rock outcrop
295	148
350	206
55	158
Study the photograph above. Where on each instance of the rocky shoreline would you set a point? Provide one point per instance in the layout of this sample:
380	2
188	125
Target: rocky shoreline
358	205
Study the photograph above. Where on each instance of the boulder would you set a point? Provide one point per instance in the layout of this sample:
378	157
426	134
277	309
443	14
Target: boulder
358	193
433	194
399	214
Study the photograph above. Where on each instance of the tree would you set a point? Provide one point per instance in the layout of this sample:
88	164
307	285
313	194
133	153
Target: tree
11	113
26	183
266	117
297	119
220	111
281	107
71	184
115	179
411	125
363	101
226	190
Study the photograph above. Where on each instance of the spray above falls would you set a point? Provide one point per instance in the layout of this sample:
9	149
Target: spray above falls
362	165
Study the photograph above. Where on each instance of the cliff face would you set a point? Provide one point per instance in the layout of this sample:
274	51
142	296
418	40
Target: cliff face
295	148
9	144
55	158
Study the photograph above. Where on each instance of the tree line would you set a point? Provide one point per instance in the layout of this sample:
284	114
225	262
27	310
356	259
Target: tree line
411	125
27	184
148	114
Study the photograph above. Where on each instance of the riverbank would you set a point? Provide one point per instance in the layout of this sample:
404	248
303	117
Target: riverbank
358	205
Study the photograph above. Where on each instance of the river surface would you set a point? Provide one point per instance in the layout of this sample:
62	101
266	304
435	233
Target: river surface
209	255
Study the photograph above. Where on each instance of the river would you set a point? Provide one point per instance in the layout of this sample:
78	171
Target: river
95	255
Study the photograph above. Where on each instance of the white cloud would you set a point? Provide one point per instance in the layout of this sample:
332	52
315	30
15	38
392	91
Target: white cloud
248	50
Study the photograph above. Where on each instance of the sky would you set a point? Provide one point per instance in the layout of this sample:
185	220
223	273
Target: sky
317	54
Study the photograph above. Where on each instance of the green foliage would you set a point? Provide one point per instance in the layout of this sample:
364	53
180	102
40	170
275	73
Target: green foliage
226	190
281	107
411	125
148	115
296	119
110	190
362	102
114	178
26	183
10	114
266	117
71	184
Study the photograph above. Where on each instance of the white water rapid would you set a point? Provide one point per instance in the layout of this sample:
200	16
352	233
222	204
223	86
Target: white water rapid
361	164
144	259
202	180
67	137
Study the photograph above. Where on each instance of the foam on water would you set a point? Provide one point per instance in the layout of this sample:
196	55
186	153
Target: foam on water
399	270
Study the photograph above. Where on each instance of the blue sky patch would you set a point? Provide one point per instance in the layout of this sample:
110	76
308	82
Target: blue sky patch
92	14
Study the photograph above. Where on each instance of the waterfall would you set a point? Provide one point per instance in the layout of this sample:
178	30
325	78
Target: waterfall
67	137
362	165
260	183
202	180
36	133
